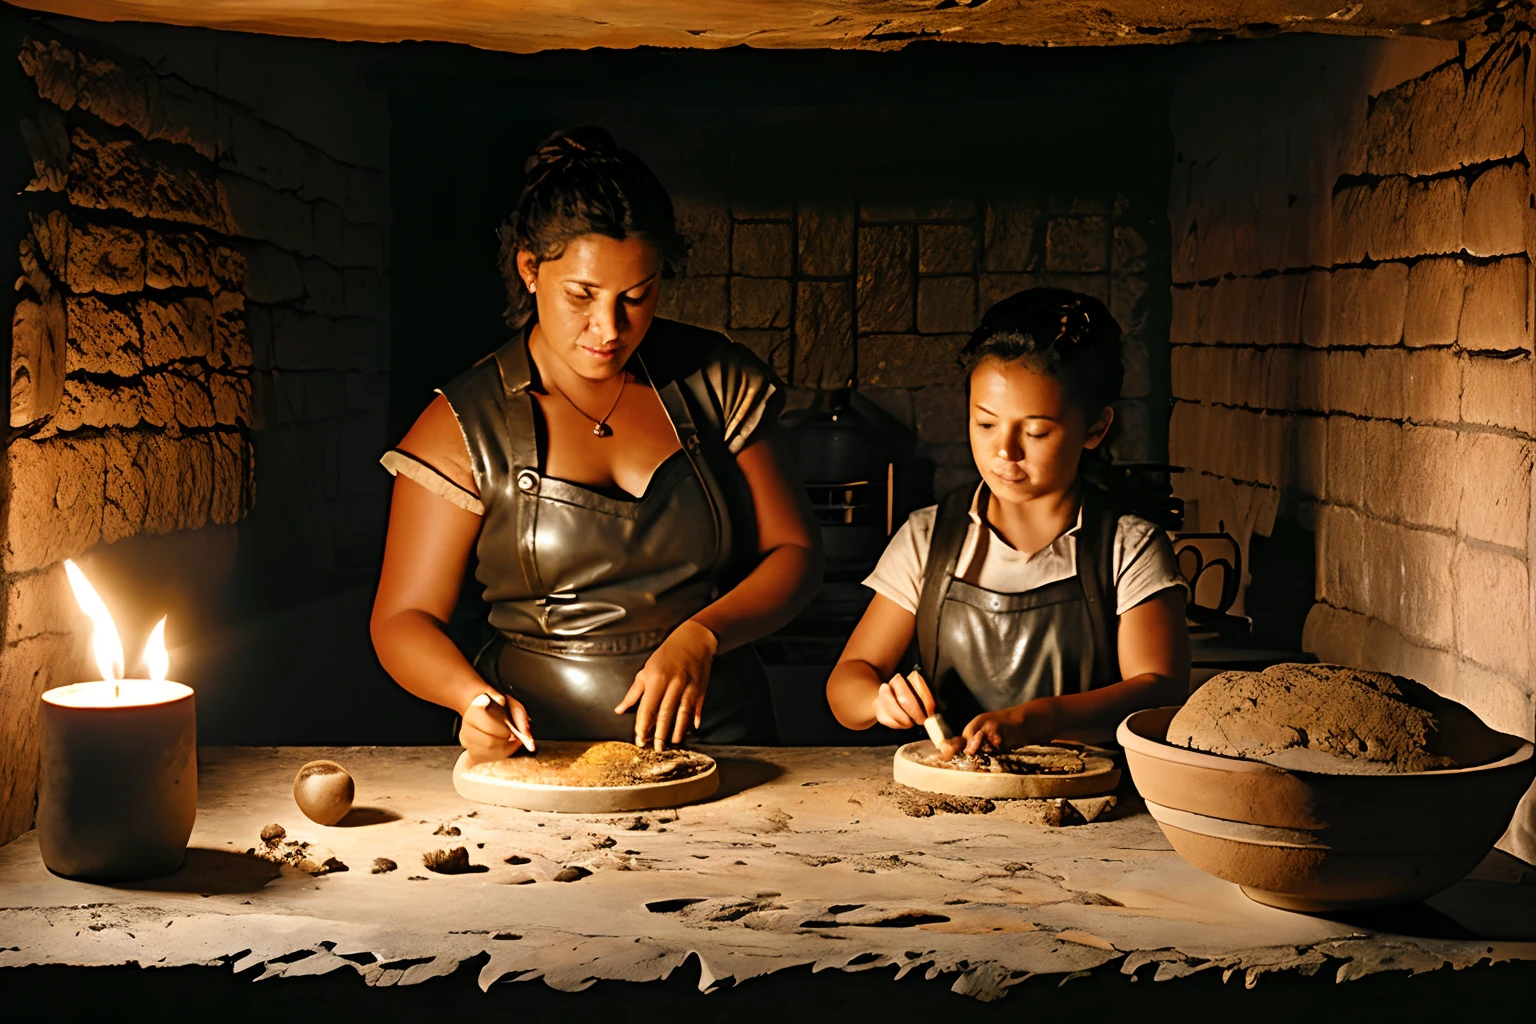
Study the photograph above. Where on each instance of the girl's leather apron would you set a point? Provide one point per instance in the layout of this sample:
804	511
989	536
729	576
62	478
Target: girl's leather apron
986	650
583	585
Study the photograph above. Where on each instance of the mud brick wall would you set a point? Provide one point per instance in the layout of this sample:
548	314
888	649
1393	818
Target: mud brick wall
841	282
1352	345
200	320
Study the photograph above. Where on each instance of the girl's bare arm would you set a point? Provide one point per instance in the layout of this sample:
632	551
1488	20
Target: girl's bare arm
861	689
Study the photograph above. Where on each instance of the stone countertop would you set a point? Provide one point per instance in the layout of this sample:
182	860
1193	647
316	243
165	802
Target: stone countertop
801	859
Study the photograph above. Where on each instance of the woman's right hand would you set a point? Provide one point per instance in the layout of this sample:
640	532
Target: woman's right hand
486	728
904	702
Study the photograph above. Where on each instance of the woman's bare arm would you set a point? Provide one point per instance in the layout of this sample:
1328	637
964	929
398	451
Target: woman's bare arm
789	573
425	554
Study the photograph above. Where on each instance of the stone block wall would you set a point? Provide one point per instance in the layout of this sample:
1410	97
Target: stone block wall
1352	345
840	282
851	215
200	320
300	143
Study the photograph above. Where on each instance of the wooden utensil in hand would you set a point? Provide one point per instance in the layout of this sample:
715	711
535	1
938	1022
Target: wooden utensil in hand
934	725
484	700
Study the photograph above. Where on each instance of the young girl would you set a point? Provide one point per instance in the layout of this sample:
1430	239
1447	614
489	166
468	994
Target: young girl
1040	611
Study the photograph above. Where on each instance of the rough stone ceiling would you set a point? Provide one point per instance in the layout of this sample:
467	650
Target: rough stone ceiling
524	26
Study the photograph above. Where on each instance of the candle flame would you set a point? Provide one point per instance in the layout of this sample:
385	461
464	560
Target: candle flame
105	643
156	657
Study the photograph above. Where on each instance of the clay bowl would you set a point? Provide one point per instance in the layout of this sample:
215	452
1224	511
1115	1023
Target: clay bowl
1318	843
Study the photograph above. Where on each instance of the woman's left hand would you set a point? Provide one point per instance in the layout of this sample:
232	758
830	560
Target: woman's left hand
669	690
1019	726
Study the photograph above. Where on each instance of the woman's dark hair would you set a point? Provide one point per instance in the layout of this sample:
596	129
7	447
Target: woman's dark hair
577	183
1062	334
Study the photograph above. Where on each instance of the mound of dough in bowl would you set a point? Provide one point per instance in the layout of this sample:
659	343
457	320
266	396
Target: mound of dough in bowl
1336	720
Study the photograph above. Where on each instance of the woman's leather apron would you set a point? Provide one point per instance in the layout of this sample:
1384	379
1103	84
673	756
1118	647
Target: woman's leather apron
585	585
986	650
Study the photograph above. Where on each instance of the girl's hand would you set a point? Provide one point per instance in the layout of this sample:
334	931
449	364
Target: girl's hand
1018	726
487	731
669	690
903	702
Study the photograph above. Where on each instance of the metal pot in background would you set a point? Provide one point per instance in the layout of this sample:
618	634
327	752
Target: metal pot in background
856	462
847	461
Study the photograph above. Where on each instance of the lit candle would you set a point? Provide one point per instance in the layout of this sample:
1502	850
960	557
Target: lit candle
119	765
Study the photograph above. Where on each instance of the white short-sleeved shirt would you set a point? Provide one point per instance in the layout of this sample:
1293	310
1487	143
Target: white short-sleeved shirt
1143	560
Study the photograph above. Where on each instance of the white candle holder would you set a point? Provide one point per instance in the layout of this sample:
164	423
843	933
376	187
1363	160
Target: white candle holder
118	791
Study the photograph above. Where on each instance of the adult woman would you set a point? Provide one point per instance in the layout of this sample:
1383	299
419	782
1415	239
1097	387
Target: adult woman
620	477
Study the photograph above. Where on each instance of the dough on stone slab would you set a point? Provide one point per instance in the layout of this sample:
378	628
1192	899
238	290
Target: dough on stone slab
1032	760
608	763
1336	720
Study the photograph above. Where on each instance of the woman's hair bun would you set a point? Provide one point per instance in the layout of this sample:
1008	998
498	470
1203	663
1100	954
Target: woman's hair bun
580	182
568	147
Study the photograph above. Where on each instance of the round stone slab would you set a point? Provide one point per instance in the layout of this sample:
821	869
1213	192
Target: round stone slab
1099	775
535	796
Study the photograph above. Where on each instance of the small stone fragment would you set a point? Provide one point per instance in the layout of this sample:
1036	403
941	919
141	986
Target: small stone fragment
1090	808
520	880
451	862
605	843
637	825
506	936
330	865
271	834
571	874
517	859
383	865
447	830
416	878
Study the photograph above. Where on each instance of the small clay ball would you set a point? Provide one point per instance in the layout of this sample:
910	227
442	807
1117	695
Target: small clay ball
323	790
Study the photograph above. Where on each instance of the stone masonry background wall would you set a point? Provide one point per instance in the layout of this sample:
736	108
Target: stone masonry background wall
202	320
832	287
852	215
1352	345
